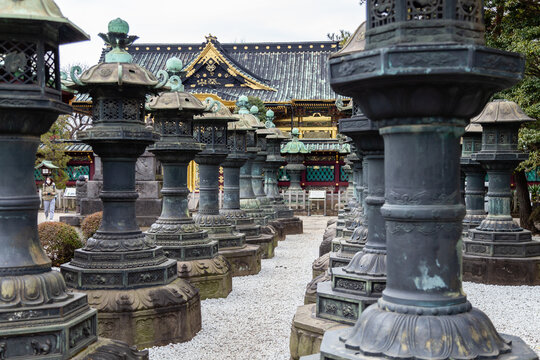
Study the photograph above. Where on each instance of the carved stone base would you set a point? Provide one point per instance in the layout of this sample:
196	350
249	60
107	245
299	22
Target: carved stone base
212	277
340	306
259	217
244	260
292	226
310	297
307	331
326	244
501	270
150	316
333	349
266	243
57	330
107	349
502	245
320	265
279	229
338	261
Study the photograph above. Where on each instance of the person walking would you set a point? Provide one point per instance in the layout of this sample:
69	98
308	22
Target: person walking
49	197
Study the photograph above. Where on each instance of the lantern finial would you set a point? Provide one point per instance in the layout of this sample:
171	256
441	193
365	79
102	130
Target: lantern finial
118	39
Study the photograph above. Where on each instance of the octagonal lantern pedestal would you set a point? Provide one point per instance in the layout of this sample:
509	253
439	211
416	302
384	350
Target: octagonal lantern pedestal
474	178
360	283
39	317
175	231
285	216
421	94
499	251
127	278
236	143
211	129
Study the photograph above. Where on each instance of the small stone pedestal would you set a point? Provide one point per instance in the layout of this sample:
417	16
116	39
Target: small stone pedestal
307	331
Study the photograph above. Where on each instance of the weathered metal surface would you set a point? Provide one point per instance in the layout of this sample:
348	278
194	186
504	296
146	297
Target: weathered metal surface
39	317
421	94
175	231
119	261
244	259
361	282
498	236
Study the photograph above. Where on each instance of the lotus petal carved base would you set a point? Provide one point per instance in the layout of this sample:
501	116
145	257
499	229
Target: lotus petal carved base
501	270
368	262
332	349
307	331
107	349
212	277
245	260
320	265
310	296
150	316
424	333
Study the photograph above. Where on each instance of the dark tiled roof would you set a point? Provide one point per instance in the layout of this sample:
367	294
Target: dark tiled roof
297	70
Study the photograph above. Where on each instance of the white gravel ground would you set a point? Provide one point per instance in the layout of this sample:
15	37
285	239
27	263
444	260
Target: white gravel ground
254	321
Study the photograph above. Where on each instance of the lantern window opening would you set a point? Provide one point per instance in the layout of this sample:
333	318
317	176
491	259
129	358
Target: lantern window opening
18	62
425	10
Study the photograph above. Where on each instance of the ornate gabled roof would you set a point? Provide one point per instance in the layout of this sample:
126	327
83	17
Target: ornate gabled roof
274	72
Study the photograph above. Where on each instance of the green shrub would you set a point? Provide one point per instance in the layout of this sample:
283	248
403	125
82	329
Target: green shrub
59	241
91	224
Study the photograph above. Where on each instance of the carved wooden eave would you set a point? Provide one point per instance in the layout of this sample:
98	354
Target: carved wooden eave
201	71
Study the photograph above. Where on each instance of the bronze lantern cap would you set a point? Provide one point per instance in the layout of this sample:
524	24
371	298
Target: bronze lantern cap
32	11
502	111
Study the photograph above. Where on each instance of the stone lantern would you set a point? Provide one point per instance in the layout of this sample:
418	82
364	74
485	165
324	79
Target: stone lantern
237	157
499	251
36	310
39	317
423	74
211	129
258	165
474	177
358	284
285	216
248	200
175	230
127	278
295	151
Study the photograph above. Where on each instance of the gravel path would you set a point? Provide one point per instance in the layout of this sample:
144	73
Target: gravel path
254	321
514	310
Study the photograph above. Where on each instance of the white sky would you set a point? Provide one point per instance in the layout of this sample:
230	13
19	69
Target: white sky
186	21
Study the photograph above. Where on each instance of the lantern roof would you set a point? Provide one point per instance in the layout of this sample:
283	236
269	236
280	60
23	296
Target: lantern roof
176	98
502	111
47	164
42	11
240	125
295	146
215	110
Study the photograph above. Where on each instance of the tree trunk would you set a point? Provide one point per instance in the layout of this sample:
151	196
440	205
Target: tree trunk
525	208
